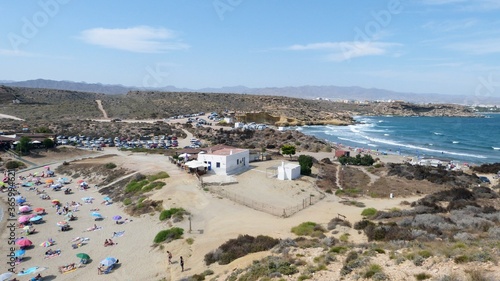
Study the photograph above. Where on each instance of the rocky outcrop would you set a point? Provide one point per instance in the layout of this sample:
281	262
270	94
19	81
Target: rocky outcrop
411	109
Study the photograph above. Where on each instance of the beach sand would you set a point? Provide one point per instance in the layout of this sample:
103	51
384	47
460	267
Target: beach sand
214	220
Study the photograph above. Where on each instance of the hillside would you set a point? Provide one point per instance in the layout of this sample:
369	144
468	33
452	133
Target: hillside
308	92
37	105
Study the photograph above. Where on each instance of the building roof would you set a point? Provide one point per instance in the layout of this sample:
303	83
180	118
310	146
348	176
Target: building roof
221	149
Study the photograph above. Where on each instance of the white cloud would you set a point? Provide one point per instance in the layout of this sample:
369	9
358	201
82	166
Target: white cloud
15	53
341	51
140	39
450	25
478	47
465	5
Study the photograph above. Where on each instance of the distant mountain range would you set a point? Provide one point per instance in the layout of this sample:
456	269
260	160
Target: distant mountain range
308	92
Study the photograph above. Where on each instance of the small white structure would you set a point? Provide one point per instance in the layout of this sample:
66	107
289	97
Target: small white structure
225	160
288	171
238	125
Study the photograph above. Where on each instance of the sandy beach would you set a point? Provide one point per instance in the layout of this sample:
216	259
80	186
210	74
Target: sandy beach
214	220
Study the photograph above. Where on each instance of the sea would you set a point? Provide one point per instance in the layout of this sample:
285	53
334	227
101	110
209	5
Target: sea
471	140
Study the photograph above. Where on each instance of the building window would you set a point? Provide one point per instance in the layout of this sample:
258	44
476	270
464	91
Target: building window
217	164
237	161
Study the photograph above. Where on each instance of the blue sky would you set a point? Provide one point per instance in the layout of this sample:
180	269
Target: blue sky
426	46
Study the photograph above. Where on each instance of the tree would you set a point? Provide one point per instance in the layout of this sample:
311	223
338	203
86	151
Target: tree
48	143
305	162
288	150
43	130
24	145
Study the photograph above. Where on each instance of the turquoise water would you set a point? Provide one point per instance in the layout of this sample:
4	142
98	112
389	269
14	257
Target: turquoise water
471	140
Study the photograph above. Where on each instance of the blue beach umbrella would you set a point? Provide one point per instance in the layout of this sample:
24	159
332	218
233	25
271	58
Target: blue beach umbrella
19	253
108	261
96	215
107	198
36	218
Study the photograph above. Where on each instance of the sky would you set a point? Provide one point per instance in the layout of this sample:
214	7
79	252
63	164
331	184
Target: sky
425	46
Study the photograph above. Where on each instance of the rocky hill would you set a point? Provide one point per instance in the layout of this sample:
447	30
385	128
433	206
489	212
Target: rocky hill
50	105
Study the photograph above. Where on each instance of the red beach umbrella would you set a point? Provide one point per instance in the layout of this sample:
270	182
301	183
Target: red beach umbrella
23	242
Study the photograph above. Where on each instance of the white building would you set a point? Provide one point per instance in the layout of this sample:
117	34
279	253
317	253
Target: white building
288	171
225	160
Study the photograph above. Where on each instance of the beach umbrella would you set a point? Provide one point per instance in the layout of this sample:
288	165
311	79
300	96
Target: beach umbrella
39	210
20	200
80	181
96	215
28	227
62	223
2	184
19	253
117	218
23	219
45	244
38	270
6	276
55	201
83	256
24	209
107	198
24	242
108	261
36	218
49	181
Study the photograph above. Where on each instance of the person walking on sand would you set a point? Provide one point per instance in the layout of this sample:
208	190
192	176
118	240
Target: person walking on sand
169	257
182	264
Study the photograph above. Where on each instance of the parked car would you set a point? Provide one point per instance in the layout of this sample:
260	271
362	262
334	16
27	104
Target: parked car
484	179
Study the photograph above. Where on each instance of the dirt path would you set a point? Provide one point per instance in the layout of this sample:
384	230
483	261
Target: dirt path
9	117
373	178
104	113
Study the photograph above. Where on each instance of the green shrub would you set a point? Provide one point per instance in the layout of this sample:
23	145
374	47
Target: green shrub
153	185
135	186
338	249
308	229
110	166
12	165
160	175
168	235
423	276
425	254
461	259
239	247
190	241
372	270
127	201
166	214
368	212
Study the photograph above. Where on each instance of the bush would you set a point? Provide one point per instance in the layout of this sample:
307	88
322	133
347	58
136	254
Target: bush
12	165
368	212
110	166
135	186
168	235
166	214
308	229
422	276
372	270
127	201
160	175
239	247
153	185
